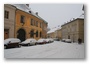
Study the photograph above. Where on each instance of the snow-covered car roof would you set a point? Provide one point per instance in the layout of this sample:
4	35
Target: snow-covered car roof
28	40
47	39
41	40
11	40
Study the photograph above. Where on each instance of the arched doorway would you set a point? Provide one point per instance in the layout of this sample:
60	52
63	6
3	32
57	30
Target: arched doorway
21	34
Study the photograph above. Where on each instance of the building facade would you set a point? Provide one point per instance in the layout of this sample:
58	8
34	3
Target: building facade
29	24
9	21
55	33
51	35
58	33
73	30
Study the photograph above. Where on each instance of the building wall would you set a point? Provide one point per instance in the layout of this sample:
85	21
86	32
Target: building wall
73	30
27	24
9	23
55	34
81	29
59	34
44	30
51	35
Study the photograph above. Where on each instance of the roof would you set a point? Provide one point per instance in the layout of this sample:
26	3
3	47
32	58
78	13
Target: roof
25	8
54	29
79	18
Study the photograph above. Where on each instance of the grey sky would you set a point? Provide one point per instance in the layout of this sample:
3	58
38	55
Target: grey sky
57	14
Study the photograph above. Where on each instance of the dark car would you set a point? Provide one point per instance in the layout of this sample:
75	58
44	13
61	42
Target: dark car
11	42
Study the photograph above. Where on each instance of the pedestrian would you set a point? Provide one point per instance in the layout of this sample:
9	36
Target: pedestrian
79	41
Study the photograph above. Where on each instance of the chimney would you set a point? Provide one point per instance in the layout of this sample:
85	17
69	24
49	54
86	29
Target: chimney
83	8
73	18
36	13
27	5
70	20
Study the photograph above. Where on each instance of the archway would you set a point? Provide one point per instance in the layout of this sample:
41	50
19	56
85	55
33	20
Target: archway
21	34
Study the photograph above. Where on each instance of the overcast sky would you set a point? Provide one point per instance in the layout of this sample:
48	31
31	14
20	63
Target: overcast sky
57	14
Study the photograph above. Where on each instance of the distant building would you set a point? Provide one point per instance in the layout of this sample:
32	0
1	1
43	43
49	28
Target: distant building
73	30
29	24
9	21
54	33
58	33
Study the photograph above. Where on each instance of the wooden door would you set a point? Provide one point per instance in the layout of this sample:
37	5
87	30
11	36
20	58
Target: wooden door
6	33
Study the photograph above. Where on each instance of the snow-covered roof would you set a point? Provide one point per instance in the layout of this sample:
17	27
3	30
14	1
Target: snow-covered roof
54	29
25	8
81	16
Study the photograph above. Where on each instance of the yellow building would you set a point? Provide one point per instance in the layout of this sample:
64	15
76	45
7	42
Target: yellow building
29	24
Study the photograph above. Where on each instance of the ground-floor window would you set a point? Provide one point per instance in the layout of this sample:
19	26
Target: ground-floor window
36	33
32	34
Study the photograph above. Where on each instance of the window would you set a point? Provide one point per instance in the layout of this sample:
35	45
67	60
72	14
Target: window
31	21
6	14
37	23
40	25
22	19
32	33
36	33
68	37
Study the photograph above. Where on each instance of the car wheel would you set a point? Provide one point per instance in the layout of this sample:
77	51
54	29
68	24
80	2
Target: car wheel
35	43
19	46
5	47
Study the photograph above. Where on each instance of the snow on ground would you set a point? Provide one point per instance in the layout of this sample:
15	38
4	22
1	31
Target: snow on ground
56	49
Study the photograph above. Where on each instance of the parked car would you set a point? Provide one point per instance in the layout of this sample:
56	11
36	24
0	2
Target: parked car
68	40
63	40
29	42
41	41
11	42
56	39
49	40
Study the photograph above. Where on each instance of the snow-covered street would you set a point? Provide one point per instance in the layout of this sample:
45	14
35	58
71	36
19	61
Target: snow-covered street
56	49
